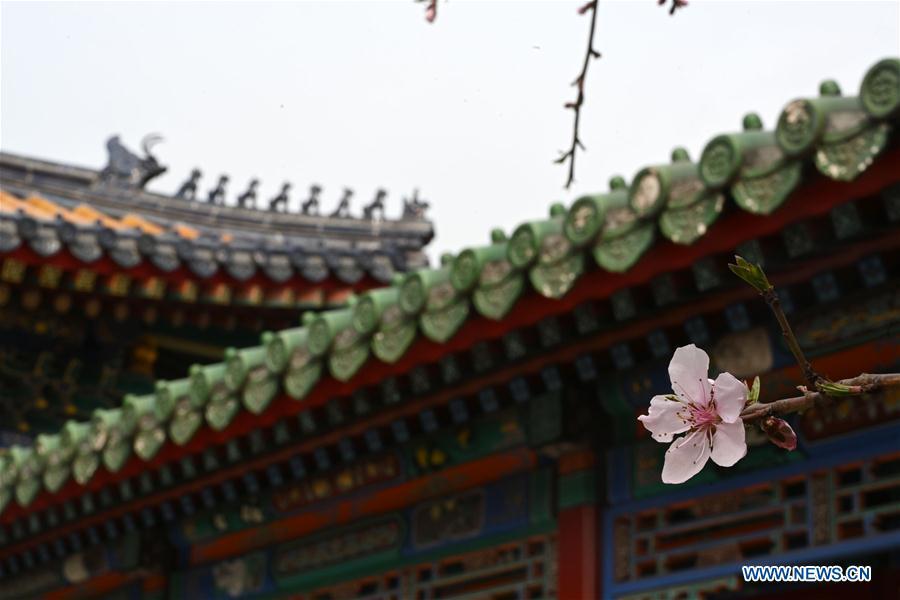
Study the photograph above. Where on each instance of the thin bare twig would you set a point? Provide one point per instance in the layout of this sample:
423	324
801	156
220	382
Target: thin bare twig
590	54
676	4
866	383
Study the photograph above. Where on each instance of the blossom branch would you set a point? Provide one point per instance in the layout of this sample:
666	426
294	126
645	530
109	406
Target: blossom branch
590	54
756	277
813	379
712	415
866	383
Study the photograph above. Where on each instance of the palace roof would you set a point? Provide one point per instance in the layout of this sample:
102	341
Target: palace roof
53	209
743	185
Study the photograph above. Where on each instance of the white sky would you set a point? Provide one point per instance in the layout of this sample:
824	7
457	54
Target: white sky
367	94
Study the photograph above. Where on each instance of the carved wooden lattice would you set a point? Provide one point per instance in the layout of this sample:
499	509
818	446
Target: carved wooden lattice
778	519
524	569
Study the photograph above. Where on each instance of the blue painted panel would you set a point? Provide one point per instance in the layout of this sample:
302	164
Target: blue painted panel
501	507
495	508
652	531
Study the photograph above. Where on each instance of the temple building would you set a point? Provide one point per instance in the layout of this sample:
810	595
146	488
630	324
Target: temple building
112	288
213	395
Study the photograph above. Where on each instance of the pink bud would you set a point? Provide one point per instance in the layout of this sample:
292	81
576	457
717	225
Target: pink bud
431	13
589	6
780	433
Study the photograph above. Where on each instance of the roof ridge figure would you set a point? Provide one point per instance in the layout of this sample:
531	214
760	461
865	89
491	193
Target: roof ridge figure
126	169
343	209
280	202
310	206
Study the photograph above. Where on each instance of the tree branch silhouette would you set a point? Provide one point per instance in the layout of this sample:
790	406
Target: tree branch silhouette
590	53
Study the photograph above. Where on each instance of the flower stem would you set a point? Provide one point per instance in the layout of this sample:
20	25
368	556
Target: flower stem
756	277
866	383
809	374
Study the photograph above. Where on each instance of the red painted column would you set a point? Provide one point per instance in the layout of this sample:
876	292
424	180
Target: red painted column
578	554
578	544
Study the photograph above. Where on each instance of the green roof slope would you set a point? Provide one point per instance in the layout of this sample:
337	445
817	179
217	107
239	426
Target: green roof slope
759	169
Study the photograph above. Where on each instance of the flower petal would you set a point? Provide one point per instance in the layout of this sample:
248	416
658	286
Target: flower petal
686	456
731	396
688	372
663	419
729	443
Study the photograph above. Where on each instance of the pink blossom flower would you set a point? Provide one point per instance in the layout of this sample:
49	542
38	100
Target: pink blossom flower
709	411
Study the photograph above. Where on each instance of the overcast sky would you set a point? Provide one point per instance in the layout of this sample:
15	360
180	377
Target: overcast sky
468	109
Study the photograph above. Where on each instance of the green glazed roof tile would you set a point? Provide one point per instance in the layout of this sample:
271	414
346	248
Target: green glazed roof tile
729	156
488	275
302	373
588	214
467	268
446	308
239	363
203	379
685	225
55	459
8	474
111	432
651	187
414	287
844	160
279	346
500	284
168	393
28	474
758	169
150	430
370	307
618	254
440	324
392	341
8	470
349	353
76	438
219	411
555	279
325	327
496	300
806	122
84	466
260	388
543	247
880	90
394	329
73	435
27	488
186	419
525	242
